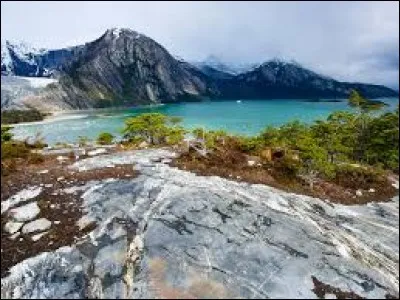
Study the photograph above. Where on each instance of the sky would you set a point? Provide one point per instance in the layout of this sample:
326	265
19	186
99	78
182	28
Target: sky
350	41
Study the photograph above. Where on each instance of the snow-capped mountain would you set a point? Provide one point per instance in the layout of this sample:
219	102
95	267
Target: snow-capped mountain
216	63
21	59
124	67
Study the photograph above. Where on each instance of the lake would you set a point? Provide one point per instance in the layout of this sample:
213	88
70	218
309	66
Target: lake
247	117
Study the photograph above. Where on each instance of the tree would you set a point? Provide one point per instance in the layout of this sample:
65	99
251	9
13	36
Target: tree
383	145
271	136
363	104
105	138
155	128
313	157
336	135
364	107
290	133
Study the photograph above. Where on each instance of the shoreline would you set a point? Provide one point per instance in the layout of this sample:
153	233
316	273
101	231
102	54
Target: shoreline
61	115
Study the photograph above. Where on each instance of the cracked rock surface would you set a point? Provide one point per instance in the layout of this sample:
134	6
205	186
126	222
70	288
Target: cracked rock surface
169	233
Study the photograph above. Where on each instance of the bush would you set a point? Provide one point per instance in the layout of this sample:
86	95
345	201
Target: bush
251	144
105	138
288	166
14	149
154	128
175	135
6	135
356	177
212	138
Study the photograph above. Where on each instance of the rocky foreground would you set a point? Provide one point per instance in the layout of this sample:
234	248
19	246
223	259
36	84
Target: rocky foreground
168	233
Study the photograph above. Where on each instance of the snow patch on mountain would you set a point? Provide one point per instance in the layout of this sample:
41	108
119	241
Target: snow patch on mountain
39	82
216	63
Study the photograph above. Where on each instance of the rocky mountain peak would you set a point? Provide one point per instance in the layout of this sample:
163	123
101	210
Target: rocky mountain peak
124	67
116	33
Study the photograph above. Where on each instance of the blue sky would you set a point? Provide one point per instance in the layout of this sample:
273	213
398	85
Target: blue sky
352	41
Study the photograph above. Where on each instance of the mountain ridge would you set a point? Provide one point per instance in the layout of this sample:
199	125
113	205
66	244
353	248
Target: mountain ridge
123	68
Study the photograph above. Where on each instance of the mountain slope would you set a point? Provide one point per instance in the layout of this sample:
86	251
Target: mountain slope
20	59
125	68
214	64
279	79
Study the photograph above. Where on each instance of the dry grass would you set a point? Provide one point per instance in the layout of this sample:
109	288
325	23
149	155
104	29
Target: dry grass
229	162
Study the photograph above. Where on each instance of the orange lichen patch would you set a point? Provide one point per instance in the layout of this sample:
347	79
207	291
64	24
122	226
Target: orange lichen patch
198	288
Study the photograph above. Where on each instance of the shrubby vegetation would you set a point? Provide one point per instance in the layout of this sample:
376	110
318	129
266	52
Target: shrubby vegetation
347	150
154	128
105	138
6	135
210	138
343	137
19	116
324	149
15	153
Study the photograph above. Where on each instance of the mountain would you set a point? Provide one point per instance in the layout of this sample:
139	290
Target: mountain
125	68
122	67
280	79
21	59
215	67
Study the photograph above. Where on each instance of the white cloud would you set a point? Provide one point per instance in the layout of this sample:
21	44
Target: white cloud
355	41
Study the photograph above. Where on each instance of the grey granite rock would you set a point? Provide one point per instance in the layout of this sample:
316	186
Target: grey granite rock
37	225
21	196
12	227
169	233
25	213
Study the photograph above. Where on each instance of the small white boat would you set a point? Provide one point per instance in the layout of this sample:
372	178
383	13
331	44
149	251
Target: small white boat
239	101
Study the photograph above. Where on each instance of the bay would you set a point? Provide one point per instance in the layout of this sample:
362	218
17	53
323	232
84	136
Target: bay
247	117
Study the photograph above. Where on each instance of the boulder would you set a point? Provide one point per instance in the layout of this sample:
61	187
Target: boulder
37	225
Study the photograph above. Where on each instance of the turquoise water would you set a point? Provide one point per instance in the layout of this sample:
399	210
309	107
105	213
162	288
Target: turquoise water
247	117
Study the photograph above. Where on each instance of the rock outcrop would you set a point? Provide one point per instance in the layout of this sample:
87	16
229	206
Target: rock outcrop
171	234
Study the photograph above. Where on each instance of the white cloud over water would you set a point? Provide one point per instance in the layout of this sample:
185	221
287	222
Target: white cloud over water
353	41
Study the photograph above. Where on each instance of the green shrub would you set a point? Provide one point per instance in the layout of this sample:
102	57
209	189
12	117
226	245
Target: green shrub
175	135
288	166
105	138
363	177
14	149
251	144
154	128
6	135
